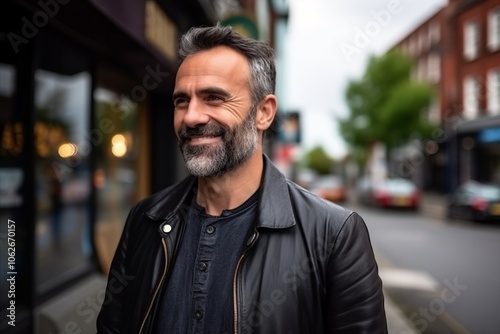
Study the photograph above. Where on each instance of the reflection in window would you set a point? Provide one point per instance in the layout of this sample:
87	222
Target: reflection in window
115	177
62	176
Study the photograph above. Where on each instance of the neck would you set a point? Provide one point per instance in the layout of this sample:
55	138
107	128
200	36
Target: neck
231	189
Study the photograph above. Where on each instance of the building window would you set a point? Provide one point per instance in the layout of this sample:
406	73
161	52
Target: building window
413	45
434	115
471	97
493	92
434	68
422	70
434	33
471	40
494	29
422	40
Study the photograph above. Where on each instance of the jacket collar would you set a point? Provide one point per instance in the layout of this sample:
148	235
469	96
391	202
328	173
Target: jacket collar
275	207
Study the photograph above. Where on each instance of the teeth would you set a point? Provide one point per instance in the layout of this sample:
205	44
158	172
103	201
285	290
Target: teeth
201	138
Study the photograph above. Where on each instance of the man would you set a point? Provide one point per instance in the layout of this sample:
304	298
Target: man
236	248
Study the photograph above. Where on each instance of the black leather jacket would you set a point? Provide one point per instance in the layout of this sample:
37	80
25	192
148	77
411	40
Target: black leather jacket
308	267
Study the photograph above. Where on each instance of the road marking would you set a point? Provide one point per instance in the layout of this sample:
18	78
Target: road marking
408	279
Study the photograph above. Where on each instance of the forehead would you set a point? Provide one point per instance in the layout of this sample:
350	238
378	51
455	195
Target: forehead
219	64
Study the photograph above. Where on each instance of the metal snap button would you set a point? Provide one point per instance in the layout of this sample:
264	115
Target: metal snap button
167	228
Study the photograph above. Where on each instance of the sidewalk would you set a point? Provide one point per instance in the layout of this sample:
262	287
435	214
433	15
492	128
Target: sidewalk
397	322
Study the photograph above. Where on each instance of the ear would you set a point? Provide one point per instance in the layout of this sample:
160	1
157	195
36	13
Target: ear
266	112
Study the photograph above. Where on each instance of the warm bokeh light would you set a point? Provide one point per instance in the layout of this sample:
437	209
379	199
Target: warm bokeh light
67	150
119	146
117	139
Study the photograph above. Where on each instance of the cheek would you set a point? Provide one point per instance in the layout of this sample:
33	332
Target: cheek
177	123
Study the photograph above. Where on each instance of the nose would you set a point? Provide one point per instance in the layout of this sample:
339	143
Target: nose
195	114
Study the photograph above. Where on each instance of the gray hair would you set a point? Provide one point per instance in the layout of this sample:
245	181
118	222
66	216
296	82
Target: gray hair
260	56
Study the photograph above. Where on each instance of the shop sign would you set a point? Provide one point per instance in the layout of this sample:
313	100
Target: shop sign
160	31
490	135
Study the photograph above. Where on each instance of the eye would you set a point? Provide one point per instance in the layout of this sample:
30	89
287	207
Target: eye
181	102
214	99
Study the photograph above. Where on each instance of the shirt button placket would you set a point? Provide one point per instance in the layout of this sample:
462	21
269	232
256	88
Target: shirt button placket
202	266
210	229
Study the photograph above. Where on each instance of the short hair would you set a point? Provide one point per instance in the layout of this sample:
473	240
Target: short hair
260	55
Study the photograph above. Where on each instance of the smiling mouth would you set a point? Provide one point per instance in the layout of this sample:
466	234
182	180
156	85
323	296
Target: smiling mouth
200	140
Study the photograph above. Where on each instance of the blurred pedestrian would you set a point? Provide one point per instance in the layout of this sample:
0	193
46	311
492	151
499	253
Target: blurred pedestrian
237	248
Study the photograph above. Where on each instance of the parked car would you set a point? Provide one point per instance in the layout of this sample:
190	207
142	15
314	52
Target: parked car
475	201
331	188
389	193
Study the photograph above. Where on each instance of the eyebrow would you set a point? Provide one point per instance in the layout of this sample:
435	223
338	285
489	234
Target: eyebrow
203	91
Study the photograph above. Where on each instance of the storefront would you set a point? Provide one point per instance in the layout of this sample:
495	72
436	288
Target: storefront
478	150
85	132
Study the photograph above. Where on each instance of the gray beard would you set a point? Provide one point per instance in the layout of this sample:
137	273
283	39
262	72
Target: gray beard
214	160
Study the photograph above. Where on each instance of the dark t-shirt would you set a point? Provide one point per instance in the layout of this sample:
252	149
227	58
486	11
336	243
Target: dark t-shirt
198	296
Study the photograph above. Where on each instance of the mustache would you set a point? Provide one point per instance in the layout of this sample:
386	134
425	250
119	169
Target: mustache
210	129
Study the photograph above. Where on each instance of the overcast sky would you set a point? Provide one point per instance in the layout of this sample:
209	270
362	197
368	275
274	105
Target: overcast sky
325	48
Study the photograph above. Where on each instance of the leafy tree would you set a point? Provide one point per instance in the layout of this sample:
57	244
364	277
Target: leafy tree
386	105
318	160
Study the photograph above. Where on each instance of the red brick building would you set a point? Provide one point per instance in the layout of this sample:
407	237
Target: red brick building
458	50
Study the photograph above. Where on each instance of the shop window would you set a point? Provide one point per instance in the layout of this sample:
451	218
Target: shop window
116	175
493	91
494	29
471	97
471	40
62	173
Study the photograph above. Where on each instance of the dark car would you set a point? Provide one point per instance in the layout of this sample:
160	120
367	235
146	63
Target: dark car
475	201
389	193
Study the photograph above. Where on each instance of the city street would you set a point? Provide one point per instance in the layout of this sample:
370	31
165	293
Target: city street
443	275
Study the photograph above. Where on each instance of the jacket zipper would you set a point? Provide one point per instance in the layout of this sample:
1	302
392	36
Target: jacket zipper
235	293
157	289
250	243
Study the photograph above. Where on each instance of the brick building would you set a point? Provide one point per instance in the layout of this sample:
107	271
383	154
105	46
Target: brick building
458	50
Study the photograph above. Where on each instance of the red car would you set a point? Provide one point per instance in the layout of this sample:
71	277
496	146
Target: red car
394	192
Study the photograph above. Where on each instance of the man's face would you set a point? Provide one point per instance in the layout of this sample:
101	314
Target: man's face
213	119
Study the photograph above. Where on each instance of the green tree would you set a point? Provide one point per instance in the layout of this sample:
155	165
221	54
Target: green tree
386	105
318	160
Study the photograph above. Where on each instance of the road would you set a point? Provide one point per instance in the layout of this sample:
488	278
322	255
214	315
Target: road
444	275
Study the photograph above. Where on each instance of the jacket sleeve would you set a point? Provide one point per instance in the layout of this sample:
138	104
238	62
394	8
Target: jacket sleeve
110	317
355	301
